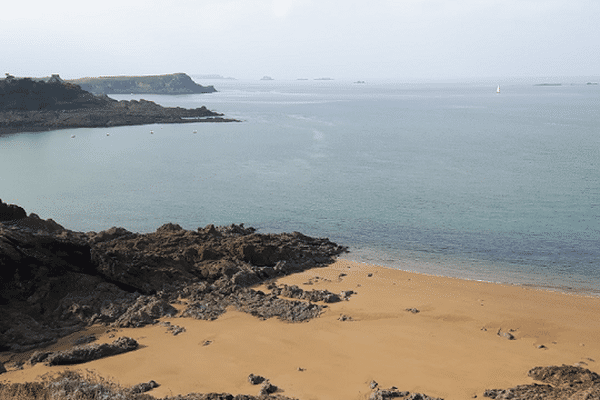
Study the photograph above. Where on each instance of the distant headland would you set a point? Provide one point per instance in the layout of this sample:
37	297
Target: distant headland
179	83
29	105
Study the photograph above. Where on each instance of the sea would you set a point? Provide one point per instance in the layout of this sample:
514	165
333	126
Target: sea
441	178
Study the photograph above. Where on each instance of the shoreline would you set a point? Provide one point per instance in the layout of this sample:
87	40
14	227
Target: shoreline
451	348
412	262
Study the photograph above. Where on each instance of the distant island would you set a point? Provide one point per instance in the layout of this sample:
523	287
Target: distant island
179	83
29	105
323	79
548	84
266	78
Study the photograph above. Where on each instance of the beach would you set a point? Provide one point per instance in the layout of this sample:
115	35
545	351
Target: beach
439	336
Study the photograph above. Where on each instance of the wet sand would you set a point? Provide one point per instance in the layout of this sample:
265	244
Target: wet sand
449	349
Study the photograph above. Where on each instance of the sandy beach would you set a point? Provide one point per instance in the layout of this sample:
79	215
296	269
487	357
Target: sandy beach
451	348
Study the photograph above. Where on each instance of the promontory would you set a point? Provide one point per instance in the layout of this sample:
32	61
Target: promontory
179	83
28	105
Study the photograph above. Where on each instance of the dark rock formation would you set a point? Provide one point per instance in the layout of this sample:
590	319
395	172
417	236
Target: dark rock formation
27	106
255	379
143	387
564	382
73	385
2	368
55	281
85	353
393	393
11	212
296	292
179	83
267	388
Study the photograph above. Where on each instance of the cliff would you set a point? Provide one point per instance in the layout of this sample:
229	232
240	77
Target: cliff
28	105
157	84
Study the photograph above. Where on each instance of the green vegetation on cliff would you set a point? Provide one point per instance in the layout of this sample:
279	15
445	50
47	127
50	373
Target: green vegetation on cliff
157	84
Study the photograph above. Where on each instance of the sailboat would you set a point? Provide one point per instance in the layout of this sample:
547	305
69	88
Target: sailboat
498	90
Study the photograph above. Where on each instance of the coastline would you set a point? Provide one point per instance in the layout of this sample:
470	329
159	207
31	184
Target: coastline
451	348
477	270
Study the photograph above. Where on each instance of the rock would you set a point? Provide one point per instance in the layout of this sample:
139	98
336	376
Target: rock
85	353
144	311
413	310
85	340
2	368
373	384
143	387
345	294
506	335
255	379
344	317
173	329
54	282
11	212
267	388
298	293
564	382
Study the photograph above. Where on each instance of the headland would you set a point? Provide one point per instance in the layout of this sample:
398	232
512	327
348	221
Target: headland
29	105
178	83
228	313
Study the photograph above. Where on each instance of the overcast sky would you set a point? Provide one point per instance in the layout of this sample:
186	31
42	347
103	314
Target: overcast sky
289	39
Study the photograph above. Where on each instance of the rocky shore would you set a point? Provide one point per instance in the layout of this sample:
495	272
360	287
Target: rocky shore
55	282
27	105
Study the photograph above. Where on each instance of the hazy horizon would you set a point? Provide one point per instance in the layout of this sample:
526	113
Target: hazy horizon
291	39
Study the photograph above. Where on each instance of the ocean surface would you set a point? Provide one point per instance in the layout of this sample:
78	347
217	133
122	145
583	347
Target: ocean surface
442	178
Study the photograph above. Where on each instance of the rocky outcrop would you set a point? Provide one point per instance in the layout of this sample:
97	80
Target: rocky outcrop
27	106
85	353
55	281
296	292
394	393
11	212
564	382
179	83
75	385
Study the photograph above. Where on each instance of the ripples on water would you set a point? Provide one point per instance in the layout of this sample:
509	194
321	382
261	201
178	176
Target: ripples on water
473	184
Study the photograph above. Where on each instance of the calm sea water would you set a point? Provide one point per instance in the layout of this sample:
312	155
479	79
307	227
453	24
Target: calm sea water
449	179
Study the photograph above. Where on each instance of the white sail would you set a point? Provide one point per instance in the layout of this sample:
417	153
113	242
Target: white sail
498	90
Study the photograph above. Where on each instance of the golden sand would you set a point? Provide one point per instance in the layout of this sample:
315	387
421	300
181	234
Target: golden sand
449	349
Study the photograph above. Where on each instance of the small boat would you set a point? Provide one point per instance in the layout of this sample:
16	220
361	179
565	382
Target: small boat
195	131
72	136
498	89
151	132
107	134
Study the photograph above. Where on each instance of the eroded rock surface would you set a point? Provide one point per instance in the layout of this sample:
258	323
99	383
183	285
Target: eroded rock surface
55	281
85	353
564	382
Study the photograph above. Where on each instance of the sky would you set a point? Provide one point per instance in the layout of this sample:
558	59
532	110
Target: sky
290	39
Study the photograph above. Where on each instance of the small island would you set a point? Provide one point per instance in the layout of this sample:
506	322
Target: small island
179	83
30	105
